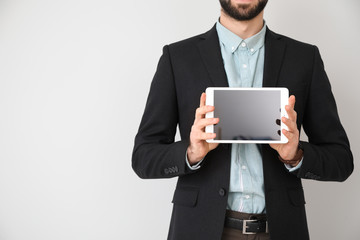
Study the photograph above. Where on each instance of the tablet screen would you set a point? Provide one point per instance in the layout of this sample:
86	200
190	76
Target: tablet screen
247	115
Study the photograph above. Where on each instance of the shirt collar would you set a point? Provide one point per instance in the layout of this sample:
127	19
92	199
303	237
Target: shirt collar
232	41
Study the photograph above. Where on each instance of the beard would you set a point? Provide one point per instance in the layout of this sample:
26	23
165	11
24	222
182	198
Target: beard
243	12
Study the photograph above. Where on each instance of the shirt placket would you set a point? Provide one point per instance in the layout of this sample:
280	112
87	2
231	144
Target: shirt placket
245	71
246	80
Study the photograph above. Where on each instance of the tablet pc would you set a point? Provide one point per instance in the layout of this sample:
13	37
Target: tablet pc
247	115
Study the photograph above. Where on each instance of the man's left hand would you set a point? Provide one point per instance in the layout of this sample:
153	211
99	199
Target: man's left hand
288	151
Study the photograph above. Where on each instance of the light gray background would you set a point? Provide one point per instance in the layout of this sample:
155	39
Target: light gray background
74	77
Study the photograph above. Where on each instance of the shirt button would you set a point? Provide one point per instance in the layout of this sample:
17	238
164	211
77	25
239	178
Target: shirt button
222	192
252	50
243	167
233	48
244	66
247	196
243	44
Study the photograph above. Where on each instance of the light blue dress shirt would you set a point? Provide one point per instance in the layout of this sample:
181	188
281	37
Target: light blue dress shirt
244	66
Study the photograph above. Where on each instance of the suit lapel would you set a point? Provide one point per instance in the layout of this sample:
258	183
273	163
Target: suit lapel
274	53
210	53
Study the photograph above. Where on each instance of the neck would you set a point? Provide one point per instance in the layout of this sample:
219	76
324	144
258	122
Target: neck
244	29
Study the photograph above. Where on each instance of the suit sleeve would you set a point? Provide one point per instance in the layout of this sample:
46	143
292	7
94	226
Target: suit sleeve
155	154
327	155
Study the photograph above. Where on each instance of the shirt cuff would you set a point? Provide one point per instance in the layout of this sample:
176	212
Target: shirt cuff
292	169
194	167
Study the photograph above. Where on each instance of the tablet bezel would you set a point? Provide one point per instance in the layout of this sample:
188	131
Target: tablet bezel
284	98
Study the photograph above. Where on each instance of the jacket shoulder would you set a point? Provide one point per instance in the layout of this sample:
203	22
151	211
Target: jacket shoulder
191	42
292	42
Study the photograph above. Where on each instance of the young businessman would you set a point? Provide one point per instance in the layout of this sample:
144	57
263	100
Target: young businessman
228	191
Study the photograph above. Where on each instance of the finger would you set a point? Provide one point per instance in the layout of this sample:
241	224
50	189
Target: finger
289	135
201	136
202	99
292	127
292	101
292	114
207	136
202	123
290	108
201	111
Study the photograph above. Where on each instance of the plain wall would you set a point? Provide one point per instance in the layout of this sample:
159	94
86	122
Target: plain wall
74	78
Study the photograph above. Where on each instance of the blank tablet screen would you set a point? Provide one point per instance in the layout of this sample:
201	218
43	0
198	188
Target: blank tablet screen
247	115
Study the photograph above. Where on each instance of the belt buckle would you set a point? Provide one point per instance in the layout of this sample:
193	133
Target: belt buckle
245	226
255	220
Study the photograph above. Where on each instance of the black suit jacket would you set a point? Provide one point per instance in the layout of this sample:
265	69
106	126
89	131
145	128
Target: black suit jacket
185	70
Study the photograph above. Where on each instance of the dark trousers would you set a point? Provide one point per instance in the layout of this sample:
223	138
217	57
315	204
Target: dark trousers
235	234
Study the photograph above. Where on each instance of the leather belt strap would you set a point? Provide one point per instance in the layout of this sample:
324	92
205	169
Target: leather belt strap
247	226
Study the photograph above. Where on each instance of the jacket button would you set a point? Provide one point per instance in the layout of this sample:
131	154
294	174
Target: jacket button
222	192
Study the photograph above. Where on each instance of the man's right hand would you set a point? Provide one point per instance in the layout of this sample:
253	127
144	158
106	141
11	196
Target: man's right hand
198	147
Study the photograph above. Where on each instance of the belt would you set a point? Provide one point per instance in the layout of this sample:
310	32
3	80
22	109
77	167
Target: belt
247	226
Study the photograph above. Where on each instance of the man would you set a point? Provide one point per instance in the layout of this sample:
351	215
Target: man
221	187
